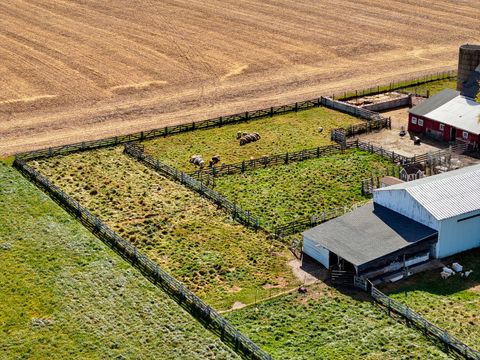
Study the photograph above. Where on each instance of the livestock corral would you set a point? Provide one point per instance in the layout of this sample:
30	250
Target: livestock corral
246	271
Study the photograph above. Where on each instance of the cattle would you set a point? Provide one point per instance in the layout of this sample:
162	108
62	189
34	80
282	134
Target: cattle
215	160
197	160
252	137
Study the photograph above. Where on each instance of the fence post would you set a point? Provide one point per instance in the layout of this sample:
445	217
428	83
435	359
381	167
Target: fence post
246	115
271	111
296	106
243	166
318	151
286	158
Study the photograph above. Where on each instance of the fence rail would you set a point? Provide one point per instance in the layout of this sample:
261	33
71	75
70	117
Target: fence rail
417	320
396	85
306	222
242	216
341	134
207	316
208	175
272	160
229	119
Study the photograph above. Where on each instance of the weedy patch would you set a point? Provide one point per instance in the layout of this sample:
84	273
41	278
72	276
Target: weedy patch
64	294
279	134
328	324
284	193
187	235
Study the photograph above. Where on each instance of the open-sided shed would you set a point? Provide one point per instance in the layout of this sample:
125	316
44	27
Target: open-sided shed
370	239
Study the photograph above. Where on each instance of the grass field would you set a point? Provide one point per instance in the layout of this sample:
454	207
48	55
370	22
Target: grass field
452	304
433	87
282	133
328	324
64	295
280	194
217	258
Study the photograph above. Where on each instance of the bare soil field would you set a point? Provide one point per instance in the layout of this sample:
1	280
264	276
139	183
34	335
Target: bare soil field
80	70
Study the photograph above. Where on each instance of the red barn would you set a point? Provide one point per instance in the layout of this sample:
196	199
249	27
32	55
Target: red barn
447	116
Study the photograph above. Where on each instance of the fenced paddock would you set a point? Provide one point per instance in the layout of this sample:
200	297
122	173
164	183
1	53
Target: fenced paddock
290	195
208	175
271	160
413	318
182	295
242	216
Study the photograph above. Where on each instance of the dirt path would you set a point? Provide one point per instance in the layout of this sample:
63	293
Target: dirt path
74	71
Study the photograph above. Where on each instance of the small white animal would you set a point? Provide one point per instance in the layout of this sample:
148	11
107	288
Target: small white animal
445	275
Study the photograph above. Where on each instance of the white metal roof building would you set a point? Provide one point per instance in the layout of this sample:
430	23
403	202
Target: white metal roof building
460	112
448	203
407	224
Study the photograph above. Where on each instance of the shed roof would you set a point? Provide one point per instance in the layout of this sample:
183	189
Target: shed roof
445	195
434	102
368	233
451	108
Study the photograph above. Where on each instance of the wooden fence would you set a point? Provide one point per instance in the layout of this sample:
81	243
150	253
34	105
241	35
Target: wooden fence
307	222
225	120
207	316
340	135
272	160
373	182
242	216
208	175
415	319
429	162
396	85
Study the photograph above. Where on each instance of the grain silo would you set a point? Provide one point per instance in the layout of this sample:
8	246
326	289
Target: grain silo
468	62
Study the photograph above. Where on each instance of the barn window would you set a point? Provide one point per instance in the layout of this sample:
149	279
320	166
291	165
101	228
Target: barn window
465	135
441	127
414	120
420	122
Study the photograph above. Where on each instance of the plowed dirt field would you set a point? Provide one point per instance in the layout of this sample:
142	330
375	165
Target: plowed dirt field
86	69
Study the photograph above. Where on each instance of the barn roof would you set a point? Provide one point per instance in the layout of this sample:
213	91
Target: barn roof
451	108
445	195
434	102
368	233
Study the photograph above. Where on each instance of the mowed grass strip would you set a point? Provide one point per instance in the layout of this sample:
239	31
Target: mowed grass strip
284	193
433	87
220	260
65	295
279	134
328	324
452	304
